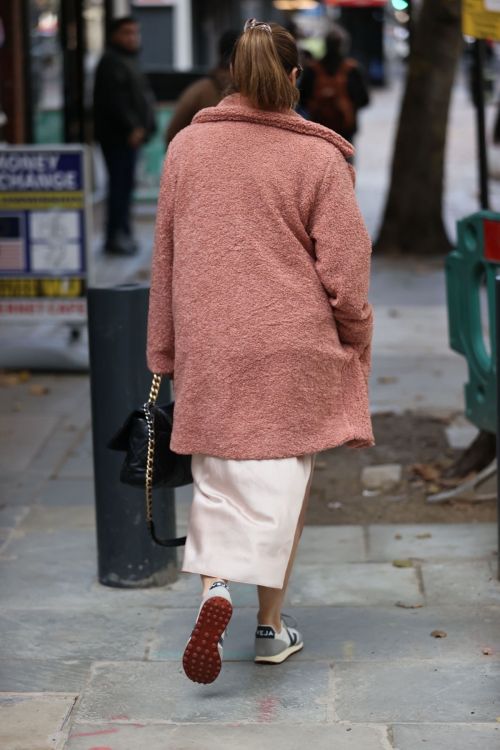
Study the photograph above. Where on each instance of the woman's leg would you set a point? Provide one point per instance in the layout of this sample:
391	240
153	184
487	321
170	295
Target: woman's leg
206	582
271	600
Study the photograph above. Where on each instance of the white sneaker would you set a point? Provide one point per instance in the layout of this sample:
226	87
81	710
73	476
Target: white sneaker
272	647
202	660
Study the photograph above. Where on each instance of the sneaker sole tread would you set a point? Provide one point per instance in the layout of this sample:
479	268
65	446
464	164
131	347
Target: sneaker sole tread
201	660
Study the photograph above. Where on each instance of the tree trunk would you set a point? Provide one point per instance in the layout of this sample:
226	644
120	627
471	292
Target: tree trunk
413	221
476	457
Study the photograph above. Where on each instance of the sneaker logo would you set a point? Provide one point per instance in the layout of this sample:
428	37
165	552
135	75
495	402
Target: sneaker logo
263	631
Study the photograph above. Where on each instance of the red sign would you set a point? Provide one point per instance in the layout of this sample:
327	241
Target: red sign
492	240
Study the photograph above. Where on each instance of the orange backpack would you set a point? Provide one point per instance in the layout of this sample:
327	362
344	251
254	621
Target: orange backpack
330	103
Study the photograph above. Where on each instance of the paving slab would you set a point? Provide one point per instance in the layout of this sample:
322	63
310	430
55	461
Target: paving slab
19	490
350	633
54	452
159	691
46	568
222	737
43	675
66	492
328	544
63	394
460	436
21	437
79	461
34	722
429	383
94	633
415	691
12	515
432	541
446	736
58	518
353	583
59	569
460	583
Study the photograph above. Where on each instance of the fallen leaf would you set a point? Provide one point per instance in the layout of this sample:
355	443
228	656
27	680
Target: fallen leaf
487	651
432	488
403	563
405	605
39	390
439	634
8	379
429	472
424	535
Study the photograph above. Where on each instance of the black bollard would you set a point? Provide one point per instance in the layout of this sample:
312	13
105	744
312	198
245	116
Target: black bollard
120	382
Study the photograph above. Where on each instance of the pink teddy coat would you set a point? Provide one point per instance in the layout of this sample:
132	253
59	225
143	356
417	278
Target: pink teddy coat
259	288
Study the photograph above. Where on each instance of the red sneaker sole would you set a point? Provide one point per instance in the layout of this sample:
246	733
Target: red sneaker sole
201	660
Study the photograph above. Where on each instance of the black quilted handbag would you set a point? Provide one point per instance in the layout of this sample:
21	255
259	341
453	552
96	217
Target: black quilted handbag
149	461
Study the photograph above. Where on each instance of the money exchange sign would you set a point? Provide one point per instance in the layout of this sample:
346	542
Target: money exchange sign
43	233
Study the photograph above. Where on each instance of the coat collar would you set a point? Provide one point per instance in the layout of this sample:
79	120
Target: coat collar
236	109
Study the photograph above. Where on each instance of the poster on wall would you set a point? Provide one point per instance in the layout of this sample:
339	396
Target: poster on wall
44	233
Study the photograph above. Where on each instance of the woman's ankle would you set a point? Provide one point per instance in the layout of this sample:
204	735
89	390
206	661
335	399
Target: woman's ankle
271	620
208	581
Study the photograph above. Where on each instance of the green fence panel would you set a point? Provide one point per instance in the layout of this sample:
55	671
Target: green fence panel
470	269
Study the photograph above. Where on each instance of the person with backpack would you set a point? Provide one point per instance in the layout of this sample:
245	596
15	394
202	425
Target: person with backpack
333	90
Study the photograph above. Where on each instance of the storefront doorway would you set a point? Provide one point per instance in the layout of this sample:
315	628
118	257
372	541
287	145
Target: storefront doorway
62	41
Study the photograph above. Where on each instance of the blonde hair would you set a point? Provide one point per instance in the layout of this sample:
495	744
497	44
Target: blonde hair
263	58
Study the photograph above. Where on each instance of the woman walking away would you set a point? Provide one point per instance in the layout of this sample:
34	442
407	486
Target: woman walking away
259	311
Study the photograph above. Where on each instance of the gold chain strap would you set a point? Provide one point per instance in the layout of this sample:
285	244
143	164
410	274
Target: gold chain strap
153	395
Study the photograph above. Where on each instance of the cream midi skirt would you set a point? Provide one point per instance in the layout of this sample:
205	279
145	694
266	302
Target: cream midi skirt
244	516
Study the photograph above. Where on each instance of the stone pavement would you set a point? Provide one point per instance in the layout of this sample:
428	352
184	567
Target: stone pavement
86	667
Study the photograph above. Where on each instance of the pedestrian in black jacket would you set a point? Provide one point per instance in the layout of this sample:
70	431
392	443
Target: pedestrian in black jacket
123	121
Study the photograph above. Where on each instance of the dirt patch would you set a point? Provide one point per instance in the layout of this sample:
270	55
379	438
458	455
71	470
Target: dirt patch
406	439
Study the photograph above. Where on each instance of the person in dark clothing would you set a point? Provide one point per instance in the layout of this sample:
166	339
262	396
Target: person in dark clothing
334	89
207	92
124	120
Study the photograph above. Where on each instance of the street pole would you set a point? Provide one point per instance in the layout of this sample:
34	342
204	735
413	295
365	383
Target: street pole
478	89
120	382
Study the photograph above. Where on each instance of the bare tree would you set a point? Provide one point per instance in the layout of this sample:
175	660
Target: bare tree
413	221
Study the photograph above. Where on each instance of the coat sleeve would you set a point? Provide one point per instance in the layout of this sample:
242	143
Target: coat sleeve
342	257
161	338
